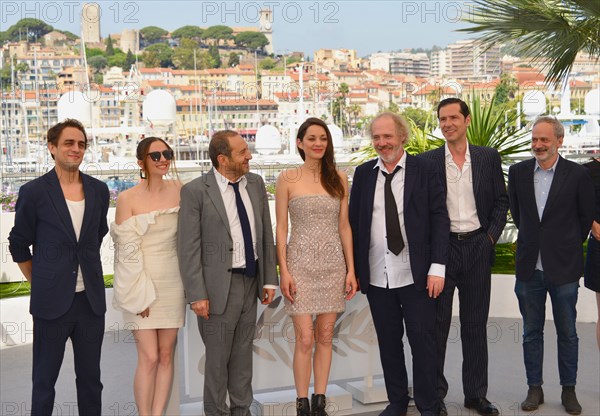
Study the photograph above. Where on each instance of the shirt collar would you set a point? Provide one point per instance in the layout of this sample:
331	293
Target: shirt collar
551	169
223	182
401	163
449	155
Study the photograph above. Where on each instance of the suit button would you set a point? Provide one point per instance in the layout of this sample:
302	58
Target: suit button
75	272
228	270
231	249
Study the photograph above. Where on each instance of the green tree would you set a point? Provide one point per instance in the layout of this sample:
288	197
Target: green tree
506	89
91	52
218	33
110	49
129	60
152	34
158	55
98	62
251	40
28	29
213	51
234	59
267	64
188	31
419	116
183	55
548	31
118	59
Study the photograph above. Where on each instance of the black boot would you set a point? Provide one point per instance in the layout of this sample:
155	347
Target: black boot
302	407
318	403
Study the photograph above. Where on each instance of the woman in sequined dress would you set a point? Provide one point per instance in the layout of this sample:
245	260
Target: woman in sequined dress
316	265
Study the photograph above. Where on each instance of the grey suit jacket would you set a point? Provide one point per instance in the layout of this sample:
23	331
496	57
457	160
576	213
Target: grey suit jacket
204	243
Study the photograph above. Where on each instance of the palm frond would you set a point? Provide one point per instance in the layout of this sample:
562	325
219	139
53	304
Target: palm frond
549	31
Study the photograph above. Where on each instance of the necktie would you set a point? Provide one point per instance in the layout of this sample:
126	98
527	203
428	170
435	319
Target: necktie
246	232
395	242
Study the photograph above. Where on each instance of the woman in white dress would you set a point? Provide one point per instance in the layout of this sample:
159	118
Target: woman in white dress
147	284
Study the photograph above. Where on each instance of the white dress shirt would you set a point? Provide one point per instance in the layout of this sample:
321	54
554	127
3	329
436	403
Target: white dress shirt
460	197
542	181
237	237
76	210
387	269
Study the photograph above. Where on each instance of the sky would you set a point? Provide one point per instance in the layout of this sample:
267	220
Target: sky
367	26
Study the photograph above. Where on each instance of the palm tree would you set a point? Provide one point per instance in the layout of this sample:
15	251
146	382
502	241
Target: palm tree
550	31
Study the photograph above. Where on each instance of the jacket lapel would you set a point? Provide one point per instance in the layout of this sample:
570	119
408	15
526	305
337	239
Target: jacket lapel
527	180
254	194
476	168
558	181
57	199
90	203
409	179
214	193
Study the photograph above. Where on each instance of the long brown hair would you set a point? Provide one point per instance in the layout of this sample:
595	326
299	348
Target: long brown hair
330	179
143	148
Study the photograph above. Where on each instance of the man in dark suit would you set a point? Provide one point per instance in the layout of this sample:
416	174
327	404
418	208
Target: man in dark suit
227	259
552	204
62	215
400	231
477	205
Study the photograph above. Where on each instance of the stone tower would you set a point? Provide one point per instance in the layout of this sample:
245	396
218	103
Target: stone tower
90	22
266	28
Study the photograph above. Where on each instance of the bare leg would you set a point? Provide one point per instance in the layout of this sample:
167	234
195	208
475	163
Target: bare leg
322	362
164	372
145	373
303	327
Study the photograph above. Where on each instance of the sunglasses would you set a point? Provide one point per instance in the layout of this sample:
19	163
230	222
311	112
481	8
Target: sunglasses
155	156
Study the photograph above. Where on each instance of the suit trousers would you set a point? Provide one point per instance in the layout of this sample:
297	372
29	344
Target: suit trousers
86	331
469	271
391	310
228	339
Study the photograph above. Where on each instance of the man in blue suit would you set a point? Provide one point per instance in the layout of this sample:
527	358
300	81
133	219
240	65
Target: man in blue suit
401	232
552	204
477	205
62	215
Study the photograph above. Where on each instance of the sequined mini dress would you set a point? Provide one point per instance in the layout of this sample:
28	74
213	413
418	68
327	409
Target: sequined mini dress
315	258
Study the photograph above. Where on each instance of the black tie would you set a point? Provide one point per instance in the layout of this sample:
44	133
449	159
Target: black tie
246	231
392	222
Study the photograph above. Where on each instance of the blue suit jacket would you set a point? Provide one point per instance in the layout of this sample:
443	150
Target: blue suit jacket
564	225
425	218
489	188
42	220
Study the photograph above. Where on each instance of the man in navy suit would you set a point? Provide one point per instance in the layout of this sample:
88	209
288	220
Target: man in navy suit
400	229
477	205
552	204
62	215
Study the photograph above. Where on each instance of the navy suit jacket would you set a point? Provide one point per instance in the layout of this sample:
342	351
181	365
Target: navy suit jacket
425	218
42	220
565	222
489	188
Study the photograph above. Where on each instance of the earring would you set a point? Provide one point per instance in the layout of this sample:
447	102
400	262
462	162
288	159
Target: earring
142	174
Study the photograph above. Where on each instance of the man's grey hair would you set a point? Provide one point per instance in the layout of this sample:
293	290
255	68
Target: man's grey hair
559	130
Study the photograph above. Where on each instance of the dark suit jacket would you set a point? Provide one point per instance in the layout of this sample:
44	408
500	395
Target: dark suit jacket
42	219
564	225
204	244
425	218
489	188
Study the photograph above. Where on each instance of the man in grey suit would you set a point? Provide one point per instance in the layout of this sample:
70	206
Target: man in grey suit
227	258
